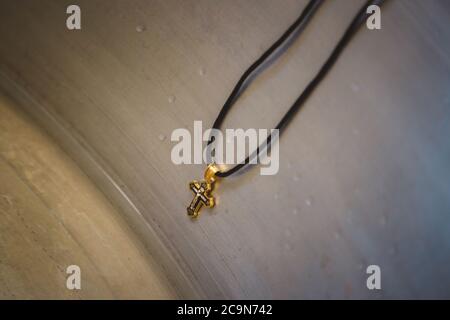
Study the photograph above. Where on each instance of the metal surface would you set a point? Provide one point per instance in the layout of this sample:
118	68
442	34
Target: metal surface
364	168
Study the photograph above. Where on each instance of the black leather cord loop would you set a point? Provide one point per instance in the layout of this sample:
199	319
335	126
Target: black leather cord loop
304	18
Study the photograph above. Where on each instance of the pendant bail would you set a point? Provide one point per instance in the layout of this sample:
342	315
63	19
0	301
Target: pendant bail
210	173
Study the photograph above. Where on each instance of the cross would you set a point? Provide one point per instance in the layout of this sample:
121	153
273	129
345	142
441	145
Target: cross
202	197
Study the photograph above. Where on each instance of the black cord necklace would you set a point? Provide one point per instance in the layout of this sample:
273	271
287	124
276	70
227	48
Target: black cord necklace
203	189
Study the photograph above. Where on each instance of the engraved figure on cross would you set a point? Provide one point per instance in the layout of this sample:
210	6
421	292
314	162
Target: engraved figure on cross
202	191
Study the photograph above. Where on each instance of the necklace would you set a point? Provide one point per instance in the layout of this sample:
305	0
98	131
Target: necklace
203	189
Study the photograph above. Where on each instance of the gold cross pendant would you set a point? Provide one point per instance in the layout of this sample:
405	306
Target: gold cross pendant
202	190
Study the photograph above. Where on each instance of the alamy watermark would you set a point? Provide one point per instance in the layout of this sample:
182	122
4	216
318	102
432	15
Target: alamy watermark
73	281
374	279
73	21
373	22
233	147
